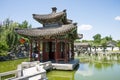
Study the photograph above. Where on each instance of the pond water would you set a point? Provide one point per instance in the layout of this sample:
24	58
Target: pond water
89	71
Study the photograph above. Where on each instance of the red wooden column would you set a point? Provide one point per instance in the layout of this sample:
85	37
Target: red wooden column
43	51
56	51
72	49
68	52
66	55
38	50
31	49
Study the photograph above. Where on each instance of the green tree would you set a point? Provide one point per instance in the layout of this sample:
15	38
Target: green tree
108	38
3	48
97	40
24	25
6	23
104	43
8	37
11	39
1	30
11	36
118	44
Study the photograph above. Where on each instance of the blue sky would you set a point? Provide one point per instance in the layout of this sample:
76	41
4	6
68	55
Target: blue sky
92	16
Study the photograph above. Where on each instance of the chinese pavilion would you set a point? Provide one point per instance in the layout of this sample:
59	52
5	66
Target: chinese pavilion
55	39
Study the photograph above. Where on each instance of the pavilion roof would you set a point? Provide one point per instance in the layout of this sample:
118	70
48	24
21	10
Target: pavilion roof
48	18
80	36
42	32
53	17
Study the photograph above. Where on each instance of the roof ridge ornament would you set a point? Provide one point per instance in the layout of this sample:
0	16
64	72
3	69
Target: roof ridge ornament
54	9
75	24
64	10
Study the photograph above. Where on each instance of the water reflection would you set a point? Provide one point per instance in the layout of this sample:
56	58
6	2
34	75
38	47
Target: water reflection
98	71
61	75
100	65
84	71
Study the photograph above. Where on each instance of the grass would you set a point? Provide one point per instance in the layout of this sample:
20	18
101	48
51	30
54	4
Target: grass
10	65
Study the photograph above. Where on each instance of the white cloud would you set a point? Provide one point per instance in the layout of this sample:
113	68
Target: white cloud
84	27
117	18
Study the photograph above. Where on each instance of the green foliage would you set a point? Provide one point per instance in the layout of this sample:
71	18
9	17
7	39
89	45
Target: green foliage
3	48
12	39
3	45
84	40
104	42
108	38
8	38
77	40
101	41
6	23
24	25
97	40
118	44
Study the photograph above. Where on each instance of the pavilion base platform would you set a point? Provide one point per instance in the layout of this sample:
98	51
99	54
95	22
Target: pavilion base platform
71	65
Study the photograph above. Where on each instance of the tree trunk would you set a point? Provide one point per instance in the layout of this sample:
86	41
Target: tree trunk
95	50
112	48
90	49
